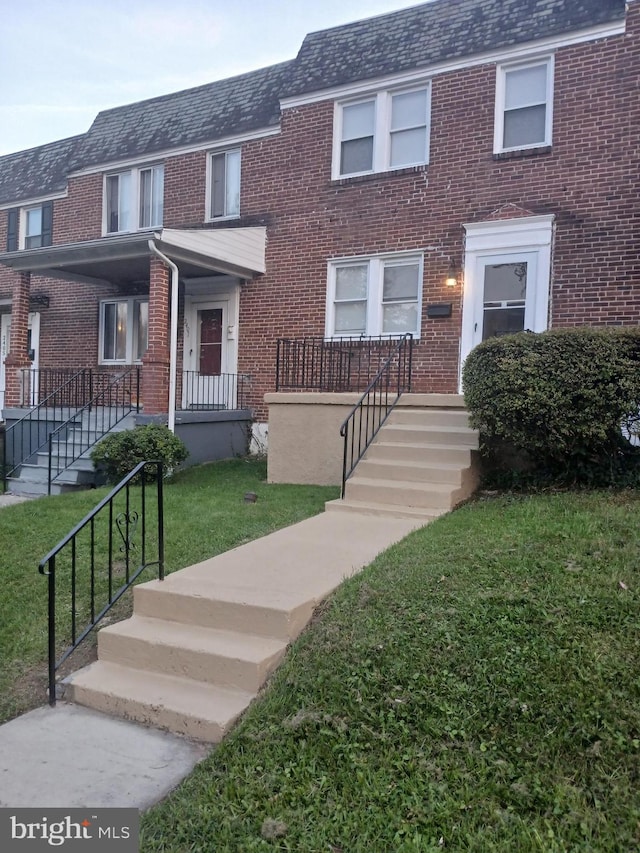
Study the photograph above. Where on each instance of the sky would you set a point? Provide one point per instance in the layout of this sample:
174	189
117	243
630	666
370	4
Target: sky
62	61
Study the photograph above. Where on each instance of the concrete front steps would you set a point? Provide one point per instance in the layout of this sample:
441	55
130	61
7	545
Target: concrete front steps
421	464
201	643
32	478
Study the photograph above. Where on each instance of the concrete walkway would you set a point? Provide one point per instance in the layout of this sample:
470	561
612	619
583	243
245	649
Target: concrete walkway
75	757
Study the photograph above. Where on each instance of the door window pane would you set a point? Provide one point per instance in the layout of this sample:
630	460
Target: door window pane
505	282
210	322
502	321
505	291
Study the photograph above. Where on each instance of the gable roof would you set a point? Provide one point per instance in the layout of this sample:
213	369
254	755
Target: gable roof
436	32
36	172
203	114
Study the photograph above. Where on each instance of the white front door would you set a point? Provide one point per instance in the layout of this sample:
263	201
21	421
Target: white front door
5	330
209	379
33	348
506	279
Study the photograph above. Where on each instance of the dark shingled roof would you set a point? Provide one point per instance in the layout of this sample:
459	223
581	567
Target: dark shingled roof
225	108
37	171
436	32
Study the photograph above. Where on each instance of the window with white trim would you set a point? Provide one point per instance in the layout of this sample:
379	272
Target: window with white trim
134	199
524	105
382	132
224	184
374	296
124	329
30	227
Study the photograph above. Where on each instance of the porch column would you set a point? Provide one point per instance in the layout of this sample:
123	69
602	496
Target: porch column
155	362
17	360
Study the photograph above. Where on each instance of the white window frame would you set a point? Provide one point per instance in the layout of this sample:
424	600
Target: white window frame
209	217
129	344
22	226
381	131
502	70
374	307
134	201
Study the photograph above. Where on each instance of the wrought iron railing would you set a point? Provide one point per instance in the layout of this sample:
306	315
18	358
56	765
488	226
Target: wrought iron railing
29	434
89	424
375	405
212	393
83	391
96	563
334	364
70	386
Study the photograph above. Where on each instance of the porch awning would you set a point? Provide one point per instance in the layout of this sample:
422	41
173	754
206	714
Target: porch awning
125	259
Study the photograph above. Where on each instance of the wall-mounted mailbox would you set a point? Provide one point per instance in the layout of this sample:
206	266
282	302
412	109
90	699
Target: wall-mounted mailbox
440	309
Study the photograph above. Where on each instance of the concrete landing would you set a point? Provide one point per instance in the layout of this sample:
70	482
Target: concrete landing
72	757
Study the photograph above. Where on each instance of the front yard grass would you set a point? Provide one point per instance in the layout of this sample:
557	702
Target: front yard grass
477	688
205	514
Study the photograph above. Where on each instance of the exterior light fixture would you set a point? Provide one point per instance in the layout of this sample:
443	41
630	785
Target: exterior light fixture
452	275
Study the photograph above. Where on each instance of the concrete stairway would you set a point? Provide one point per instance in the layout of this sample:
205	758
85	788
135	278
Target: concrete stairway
202	642
32	478
420	465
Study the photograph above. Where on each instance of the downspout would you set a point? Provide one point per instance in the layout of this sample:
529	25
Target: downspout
173	335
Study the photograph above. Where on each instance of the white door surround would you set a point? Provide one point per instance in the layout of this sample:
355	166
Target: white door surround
522	246
198	390
33	328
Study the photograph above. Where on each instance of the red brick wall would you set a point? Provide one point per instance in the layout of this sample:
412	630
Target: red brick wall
588	181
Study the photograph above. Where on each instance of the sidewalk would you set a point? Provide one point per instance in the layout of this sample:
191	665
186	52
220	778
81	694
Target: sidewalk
74	757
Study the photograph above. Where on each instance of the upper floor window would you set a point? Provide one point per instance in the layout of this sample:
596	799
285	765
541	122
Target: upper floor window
374	296
134	199
524	105
124	325
389	130
30	227
224	185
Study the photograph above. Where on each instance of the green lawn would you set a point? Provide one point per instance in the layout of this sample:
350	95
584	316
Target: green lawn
477	688
205	514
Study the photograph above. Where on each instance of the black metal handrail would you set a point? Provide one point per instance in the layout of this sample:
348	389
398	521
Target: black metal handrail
71	386
202	392
375	405
29	434
89	424
330	364
123	524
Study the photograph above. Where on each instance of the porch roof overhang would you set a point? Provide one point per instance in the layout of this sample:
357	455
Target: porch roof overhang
125	259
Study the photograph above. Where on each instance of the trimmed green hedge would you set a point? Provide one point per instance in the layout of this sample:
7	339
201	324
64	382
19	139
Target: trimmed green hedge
120	452
559	401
